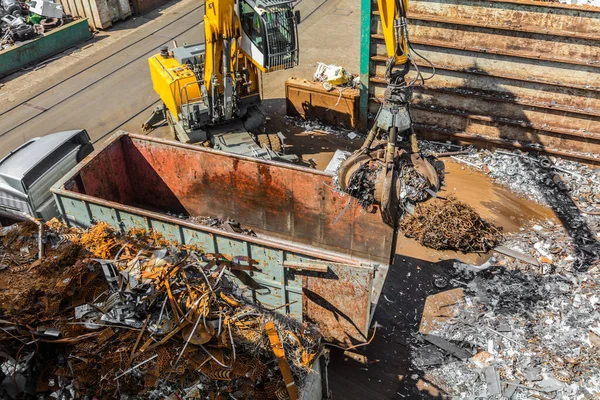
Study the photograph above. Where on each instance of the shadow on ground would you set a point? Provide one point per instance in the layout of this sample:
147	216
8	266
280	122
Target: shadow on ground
388	373
314	145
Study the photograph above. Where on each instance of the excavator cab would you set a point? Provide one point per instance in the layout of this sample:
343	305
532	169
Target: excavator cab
270	33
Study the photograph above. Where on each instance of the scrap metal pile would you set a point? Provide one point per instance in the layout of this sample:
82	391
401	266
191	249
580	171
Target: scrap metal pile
570	189
414	188
109	315
228	225
531	175
449	224
21	21
528	325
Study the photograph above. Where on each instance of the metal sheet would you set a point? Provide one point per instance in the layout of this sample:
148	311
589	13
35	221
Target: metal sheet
337	314
522	73
542	17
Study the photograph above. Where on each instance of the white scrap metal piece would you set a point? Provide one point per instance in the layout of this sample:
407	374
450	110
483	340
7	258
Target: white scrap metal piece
332	74
353	135
492	378
13	21
46	9
338	157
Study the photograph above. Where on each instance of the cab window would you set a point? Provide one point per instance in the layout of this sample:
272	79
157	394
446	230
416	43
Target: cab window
251	24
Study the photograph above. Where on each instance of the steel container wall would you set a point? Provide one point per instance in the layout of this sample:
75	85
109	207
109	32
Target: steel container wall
44	46
101	14
310	101
510	73
321	258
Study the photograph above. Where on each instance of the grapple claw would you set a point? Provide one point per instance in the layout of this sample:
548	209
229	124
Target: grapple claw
376	183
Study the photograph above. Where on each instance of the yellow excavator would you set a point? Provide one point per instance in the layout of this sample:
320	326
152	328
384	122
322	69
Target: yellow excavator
389	171
210	92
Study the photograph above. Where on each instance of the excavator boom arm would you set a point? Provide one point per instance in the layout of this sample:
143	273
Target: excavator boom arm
375	174
393	23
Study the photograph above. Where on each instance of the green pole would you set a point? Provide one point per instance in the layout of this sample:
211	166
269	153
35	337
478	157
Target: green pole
365	56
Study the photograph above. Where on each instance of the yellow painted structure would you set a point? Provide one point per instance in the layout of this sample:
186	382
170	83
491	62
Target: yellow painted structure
175	83
220	22
389	16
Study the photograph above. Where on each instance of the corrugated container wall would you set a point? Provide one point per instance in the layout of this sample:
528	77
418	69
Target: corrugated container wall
508	72
101	14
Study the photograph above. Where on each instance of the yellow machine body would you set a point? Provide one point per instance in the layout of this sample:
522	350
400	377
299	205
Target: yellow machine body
176	84
218	82
220	21
395	42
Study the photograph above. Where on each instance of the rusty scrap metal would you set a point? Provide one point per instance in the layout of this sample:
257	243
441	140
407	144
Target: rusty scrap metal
450	224
283	364
159	299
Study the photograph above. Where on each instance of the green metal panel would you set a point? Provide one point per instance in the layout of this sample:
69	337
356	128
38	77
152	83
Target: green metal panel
203	240
45	46
168	230
104	214
365	56
130	221
274	286
75	212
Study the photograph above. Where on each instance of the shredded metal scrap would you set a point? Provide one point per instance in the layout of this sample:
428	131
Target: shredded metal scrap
450	224
146	318
536	326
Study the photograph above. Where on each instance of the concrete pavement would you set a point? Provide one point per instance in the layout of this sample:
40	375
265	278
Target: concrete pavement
111	89
100	93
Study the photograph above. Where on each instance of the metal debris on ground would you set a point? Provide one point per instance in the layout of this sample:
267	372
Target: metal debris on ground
108	315
321	128
531	330
449	224
532	175
570	189
21	21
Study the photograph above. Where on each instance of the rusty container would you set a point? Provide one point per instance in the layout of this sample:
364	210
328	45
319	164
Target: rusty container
322	257
311	101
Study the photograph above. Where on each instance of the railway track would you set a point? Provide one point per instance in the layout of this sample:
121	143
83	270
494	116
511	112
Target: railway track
78	86
108	57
